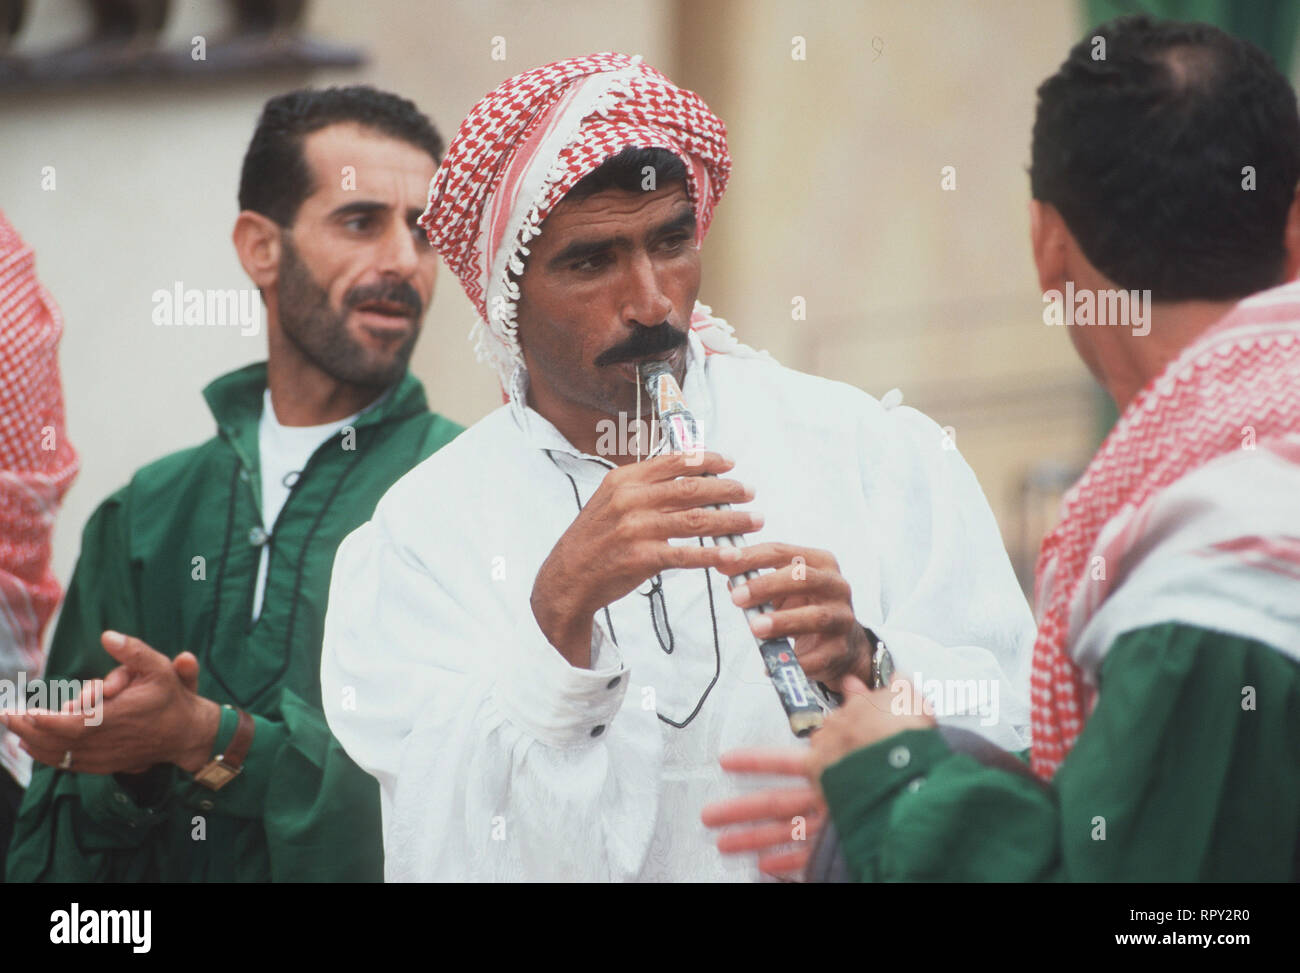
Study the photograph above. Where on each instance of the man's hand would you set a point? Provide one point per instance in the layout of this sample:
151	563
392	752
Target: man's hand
773	817
867	717
813	604
186	666
779	824
153	716
620	539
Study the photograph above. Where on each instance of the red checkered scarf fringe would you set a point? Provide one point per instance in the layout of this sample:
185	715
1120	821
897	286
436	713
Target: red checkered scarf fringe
1244	372
567	117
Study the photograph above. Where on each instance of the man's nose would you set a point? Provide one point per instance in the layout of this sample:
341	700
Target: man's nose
644	300
398	254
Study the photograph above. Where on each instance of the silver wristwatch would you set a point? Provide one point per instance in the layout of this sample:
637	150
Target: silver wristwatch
882	663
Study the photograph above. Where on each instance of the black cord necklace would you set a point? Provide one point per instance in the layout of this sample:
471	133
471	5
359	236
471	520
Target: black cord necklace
659	605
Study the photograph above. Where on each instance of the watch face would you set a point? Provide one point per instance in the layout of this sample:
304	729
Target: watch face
216	775
882	667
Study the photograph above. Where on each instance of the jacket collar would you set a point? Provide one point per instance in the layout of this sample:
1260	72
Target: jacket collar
235	400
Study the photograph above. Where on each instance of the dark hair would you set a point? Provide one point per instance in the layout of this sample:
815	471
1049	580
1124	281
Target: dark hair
1142	154
626	171
275	178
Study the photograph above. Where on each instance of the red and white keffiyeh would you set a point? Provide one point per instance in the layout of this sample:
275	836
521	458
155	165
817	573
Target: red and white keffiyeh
526	144
1190	512
37	465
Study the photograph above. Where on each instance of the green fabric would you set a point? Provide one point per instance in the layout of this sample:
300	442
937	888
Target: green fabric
301	809
1190	762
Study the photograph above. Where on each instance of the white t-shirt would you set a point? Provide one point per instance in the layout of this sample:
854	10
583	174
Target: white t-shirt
284	451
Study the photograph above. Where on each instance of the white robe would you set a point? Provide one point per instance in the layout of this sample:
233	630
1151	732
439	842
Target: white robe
497	760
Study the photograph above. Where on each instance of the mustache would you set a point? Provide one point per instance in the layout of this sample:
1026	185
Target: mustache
390	292
644	341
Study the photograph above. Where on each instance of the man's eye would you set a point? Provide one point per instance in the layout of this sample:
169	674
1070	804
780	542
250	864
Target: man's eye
589	264
421	238
358	223
674	243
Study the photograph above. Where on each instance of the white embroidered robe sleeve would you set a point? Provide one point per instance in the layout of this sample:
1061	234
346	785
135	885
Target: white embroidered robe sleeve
479	732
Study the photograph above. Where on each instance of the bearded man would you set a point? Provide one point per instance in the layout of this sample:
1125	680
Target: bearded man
527	645
205	577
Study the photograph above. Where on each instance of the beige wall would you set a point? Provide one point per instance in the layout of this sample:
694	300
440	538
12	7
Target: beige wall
835	198
145	186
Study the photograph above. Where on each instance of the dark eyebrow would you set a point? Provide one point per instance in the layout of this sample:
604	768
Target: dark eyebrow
359	208
583	249
685	220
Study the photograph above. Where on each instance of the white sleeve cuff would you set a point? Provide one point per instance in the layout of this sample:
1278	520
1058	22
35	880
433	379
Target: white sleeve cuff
552	701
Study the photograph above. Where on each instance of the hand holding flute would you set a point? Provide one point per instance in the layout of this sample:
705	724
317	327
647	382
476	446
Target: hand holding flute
619	540
814	599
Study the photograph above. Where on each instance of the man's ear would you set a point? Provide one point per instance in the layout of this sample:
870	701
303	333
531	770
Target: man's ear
257	242
1291	238
1048	237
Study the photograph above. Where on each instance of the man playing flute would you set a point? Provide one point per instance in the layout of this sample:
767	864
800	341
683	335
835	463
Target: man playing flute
530	645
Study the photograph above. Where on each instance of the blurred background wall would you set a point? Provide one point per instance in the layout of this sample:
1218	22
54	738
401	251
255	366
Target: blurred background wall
836	205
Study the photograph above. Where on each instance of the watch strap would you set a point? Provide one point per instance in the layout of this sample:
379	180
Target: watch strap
222	769
238	748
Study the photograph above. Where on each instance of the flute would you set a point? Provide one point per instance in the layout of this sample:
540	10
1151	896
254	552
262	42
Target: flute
803	706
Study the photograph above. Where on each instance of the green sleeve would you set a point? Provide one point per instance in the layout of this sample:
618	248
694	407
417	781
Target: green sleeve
103	594
1191	727
319	810
73	826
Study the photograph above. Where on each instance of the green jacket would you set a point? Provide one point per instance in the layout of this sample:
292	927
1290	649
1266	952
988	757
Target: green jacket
172	559
1188	770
